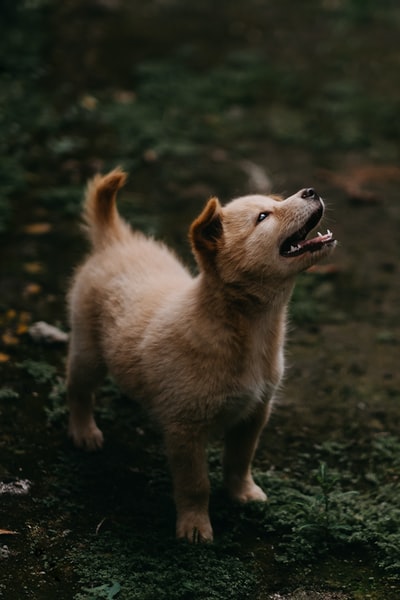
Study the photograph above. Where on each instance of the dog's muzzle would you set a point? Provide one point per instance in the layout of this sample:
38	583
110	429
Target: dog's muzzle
310	193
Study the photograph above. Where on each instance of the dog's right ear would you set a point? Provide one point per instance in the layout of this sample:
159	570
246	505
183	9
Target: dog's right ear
206	231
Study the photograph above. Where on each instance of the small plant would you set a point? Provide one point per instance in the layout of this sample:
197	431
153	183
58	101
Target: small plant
327	482
41	372
44	373
6	393
58	406
327	507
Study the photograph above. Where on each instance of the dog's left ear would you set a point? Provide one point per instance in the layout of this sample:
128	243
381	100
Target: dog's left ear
206	231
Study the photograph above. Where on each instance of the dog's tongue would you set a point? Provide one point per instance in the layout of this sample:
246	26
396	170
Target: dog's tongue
312	244
319	239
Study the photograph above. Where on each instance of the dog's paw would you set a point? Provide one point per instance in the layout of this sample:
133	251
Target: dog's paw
195	528
249	492
87	437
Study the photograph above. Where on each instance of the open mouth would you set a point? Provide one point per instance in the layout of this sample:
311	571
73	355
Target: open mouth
297	243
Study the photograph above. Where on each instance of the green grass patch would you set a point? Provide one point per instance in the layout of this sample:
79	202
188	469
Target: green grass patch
338	502
338	499
145	568
338	509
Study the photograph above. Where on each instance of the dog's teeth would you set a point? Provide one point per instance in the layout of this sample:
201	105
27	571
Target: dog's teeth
329	232
319	233
293	248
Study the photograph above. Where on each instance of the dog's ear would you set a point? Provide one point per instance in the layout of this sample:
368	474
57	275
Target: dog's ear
206	231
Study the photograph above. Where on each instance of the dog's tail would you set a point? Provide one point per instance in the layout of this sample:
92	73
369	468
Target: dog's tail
102	221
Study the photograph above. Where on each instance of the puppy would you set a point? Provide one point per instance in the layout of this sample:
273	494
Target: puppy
204	353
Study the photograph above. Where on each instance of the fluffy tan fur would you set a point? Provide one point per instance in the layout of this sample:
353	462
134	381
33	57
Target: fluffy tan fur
204	353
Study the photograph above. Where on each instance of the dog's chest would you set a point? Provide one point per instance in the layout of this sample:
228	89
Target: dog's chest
253	386
261	365
239	405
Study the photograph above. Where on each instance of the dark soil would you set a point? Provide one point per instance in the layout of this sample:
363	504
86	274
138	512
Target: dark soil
219	99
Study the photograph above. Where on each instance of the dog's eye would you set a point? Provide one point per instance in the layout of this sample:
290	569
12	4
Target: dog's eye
262	216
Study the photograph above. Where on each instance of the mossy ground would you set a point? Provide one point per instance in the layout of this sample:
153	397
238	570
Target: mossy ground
88	85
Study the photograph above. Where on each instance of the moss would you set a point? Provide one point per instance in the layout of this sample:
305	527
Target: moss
42	372
21	97
329	506
147	568
102	526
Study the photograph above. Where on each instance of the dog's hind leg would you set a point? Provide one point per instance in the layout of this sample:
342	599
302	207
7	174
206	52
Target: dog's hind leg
240	445
186	450
84	371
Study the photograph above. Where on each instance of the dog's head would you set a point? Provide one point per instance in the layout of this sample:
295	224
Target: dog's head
260	238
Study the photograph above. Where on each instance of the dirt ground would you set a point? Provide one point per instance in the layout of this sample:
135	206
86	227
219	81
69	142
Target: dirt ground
191	113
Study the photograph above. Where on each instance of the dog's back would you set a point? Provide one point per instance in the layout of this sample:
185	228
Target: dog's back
122	284
124	266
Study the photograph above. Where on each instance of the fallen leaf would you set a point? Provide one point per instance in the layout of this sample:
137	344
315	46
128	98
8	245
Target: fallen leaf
9	339
8	532
124	96
4	357
355	180
37	228
11	314
89	102
21	328
24	317
33	267
150	155
32	289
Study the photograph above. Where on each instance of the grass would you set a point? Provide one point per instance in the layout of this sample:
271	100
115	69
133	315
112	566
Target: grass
308	521
115	529
166	571
337	510
102	526
21	96
174	111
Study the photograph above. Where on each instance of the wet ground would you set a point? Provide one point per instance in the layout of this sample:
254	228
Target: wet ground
197	101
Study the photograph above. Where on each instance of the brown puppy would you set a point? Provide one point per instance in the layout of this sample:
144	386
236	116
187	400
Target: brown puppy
204	353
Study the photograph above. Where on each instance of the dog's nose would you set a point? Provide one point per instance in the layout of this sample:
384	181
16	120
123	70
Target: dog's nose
310	193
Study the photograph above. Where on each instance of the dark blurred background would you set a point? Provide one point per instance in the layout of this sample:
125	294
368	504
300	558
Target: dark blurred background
197	99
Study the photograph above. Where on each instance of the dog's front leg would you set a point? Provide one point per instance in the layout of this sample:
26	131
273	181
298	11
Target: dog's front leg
186	451
240	445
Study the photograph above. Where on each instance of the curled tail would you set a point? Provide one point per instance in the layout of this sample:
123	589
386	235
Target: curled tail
103	223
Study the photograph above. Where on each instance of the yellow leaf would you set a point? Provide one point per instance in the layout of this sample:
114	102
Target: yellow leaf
37	228
33	267
25	317
89	102
32	289
124	96
21	328
9	339
4	357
